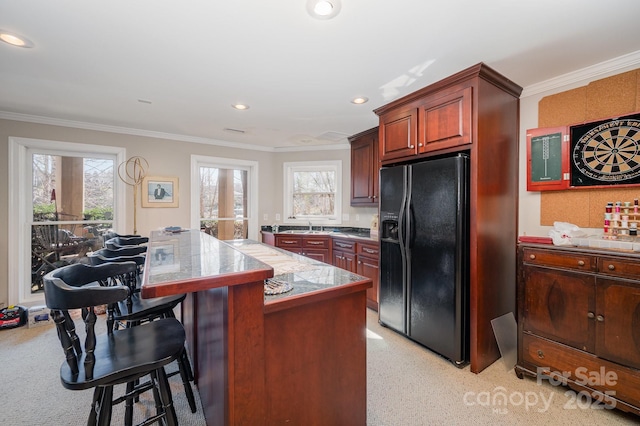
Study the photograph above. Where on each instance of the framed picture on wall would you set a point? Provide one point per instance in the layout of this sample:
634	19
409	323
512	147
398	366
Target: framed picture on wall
159	191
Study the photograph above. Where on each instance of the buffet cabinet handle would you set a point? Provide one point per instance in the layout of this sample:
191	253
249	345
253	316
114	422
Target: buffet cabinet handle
411	146
288	242
315	243
612	267
600	318
591	315
368	250
420	144
344	245
580	262
540	354
532	256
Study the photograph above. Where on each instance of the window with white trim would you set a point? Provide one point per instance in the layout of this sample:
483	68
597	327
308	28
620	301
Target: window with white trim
313	192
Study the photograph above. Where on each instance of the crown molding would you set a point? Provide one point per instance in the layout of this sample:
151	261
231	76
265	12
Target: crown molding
587	74
158	135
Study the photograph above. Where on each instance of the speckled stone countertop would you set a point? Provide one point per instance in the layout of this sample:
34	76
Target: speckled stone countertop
191	261
304	274
362	234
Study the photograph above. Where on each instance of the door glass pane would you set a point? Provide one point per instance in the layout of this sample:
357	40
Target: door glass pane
224	202
73	204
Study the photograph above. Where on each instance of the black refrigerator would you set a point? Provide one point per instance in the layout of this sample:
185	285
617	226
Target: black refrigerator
424	254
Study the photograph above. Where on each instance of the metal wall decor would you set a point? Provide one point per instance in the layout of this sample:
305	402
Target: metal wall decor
132	172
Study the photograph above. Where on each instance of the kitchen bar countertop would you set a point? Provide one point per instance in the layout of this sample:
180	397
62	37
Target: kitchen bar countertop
310	278
199	262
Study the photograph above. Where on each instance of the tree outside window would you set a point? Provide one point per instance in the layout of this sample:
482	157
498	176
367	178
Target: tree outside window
313	192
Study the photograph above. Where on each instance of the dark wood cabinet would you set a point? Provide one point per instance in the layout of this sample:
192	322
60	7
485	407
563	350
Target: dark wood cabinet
316	247
398	133
292	243
438	121
579	320
344	254
474	112
367	265
364	168
445	121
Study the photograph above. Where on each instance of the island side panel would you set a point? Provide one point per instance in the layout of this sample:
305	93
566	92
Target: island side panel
315	361
230	354
189	319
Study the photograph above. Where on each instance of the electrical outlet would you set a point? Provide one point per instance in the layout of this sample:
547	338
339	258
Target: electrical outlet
265	217
345	217
277	216
357	218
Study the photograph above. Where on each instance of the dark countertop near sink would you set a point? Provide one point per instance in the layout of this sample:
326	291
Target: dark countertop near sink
335	232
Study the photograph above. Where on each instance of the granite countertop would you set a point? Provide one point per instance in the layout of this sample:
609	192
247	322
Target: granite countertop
191	261
363	234
304	274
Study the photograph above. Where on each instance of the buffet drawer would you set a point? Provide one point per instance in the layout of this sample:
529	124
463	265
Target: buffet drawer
582	368
619	267
578	261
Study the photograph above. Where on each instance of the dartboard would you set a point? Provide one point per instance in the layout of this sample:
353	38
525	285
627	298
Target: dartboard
606	152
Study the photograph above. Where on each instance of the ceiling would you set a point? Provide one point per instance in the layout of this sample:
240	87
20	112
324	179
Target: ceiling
173	68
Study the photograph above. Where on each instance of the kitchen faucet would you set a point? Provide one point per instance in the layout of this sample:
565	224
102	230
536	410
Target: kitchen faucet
310	226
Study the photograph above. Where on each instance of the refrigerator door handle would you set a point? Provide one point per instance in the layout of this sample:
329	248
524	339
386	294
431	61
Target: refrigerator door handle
409	214
401	215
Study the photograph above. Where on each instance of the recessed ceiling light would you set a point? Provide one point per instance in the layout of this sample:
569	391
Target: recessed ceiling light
15	39
323	9
240	106
359	100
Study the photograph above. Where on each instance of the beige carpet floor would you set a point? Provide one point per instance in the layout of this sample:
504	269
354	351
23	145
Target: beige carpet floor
407	385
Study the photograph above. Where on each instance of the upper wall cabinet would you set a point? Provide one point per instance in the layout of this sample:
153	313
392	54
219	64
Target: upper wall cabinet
364	168
445	121
440	120
399	133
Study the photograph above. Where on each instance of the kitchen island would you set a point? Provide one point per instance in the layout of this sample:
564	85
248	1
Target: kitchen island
298	357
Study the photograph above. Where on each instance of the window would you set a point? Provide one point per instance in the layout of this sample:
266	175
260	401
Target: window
224	203
62	196
313	192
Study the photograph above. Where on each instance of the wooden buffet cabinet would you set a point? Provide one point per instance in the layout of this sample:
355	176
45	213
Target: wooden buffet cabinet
364	168
579	318
476	112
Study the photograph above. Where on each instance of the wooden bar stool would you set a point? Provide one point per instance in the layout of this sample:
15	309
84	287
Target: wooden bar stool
114	357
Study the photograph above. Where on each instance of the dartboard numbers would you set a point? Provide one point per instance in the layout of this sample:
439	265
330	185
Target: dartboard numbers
606	152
